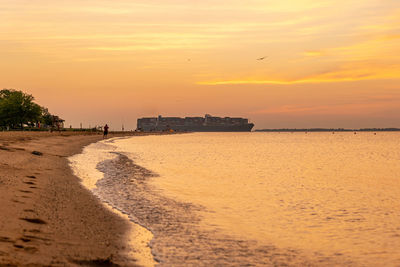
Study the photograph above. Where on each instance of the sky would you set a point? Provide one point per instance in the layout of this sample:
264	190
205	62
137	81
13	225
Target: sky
328	63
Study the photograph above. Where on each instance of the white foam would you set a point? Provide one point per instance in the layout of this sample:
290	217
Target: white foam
84	166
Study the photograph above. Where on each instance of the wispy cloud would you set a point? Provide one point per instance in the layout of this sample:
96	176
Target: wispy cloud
314	53
365	55
349	73
151	47
278	82
329	109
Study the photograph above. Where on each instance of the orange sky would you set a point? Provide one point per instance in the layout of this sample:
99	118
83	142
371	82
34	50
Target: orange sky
329	63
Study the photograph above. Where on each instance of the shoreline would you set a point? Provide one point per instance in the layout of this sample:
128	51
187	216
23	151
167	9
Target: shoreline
179	239
48	216
138	237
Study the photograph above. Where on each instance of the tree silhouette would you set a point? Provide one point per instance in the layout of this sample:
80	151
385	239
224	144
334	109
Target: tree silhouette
17	108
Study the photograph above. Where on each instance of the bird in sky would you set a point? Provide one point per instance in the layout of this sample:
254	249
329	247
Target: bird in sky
261	58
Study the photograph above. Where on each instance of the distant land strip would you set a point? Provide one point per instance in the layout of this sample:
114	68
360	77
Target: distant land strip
331	130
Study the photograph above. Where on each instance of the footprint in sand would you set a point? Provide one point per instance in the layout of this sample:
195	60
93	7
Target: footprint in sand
25	191
30	249
17	201
5	239
27	249
36	231
24	239
32	237
34	220
29	210
37	153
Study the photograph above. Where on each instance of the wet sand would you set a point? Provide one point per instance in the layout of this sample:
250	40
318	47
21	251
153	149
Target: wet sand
47	216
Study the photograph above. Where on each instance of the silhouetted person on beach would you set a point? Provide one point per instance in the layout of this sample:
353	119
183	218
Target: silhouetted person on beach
105	131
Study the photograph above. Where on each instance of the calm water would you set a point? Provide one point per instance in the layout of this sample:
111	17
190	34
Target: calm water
257	198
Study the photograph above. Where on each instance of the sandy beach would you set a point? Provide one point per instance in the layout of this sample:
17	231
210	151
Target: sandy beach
47	216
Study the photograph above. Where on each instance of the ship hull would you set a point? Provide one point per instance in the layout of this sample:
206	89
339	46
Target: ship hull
210	128
195	124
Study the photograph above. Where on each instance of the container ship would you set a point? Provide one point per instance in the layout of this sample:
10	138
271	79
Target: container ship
207	123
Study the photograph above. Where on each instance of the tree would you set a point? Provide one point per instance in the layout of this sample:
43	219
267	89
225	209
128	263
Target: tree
47	117
17	108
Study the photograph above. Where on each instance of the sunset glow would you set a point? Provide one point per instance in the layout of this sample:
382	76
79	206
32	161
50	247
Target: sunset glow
327	63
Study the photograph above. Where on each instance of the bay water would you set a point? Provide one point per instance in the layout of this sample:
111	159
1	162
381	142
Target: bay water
255	198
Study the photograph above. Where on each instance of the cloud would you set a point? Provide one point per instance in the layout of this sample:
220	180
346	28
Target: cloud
152	47
372	53
348	73
279	82
333	109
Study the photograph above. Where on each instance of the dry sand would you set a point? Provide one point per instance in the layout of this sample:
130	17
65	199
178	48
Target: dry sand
47	216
